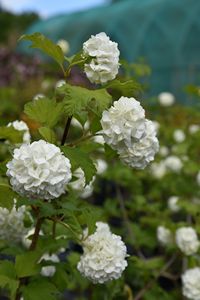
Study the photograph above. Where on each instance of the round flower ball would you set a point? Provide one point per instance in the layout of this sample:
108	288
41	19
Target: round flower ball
173	163
187	240
21	126
104	63
179	136
12	227
166	99
191	283
173	203
39	170
164	235
104	255
123	123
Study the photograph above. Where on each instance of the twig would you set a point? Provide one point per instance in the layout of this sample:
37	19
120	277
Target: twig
66	131
36	234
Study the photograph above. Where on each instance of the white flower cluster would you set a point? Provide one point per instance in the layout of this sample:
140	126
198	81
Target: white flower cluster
171	163
166	99
49	271
193	128
22	126
179	136
173	203
164	235
12	227
104	256
187	240
104	63
39	170
191	283
64	45
126	130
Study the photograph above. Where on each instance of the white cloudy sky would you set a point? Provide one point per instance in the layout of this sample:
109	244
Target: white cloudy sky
48	7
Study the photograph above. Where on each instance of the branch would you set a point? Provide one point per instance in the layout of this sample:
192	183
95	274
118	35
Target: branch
66	131
36	234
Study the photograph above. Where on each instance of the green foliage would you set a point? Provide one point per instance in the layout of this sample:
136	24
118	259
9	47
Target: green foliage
11	134
79	99
27	264
45	111
79	158
6	201
40	289
48	134
128	88
8	278
41	42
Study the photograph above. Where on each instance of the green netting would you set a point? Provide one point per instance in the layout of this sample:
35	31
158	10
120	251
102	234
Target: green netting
165	32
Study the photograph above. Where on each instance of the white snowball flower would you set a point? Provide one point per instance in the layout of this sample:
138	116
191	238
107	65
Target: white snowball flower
191	283
123	123
39	170
187	240
166	99
193	128
104	54
64	45
198	178
49	271
60	83
21	126
158	170
141	153
179	135
104	256
173	203
38	96
12	227
78	184
164	151
164	235
173	163
101	166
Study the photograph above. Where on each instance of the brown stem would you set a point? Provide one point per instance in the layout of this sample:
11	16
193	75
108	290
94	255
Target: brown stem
66	131
36	234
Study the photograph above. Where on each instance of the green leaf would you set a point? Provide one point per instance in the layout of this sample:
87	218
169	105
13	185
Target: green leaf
79	158
44	111
48	134
27	264
6	201
78	99
127	88
38	290
10	284
11	134
41	42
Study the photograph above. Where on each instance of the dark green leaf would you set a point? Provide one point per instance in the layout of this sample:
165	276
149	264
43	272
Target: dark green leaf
39	290
27	264
127	88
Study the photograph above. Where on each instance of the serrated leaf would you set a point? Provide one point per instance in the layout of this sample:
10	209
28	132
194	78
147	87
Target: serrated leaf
11	134
6	201
41	289
48	134
78	99
41	42
79	158
127	88
44	111
27	264
10	284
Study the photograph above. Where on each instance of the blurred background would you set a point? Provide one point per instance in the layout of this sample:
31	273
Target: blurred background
160	34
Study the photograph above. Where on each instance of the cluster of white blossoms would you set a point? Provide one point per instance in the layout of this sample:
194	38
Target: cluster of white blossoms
39	170
193	128
187	240
173	203
171	163
12	227
164	235
49	271
179	136
21	126
166	99
191	283
126	130
104	54
104	256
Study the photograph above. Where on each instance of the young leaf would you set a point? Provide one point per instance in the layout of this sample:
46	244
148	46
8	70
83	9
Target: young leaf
41	42
40	289
11	134
127	88
27	264
79	99
44	111
79	158
48	134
